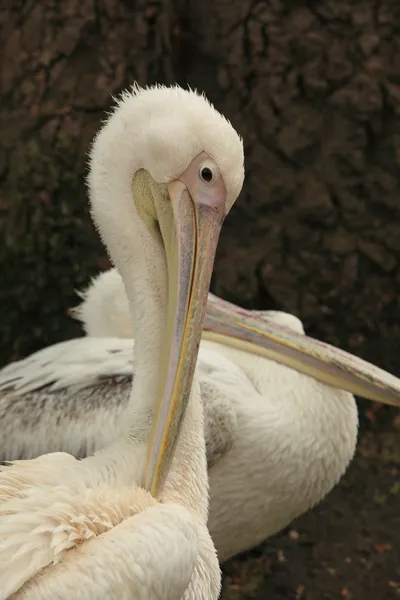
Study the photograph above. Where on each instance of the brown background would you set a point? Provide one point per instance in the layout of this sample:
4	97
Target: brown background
314	88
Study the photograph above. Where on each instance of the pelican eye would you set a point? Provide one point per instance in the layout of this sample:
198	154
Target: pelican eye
206	174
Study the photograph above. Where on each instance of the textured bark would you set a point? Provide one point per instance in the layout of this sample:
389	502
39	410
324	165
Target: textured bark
314	89
312	86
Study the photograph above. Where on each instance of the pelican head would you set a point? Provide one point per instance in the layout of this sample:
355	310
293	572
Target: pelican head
169	167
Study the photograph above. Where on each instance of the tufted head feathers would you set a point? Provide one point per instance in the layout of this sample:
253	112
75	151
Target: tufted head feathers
161	129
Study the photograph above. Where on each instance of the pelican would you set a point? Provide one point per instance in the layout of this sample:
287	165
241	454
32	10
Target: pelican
279	434
131	521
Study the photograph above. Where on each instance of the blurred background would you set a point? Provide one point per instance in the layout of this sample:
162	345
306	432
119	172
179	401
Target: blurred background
313	86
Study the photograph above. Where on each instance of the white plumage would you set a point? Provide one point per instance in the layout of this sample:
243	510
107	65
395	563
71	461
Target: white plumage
104	310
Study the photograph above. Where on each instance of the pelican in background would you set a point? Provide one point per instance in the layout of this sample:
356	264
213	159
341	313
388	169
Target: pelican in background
277	441
277	438
131	521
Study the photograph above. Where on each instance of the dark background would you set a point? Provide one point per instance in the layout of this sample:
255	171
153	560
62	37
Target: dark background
313	86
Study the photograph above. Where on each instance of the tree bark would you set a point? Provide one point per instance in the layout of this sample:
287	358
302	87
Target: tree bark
313	87
61	63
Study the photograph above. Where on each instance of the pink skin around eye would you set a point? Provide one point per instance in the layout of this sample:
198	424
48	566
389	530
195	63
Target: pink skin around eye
212	194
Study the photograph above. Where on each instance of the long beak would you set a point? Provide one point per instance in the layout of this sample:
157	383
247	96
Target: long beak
228	324
190	253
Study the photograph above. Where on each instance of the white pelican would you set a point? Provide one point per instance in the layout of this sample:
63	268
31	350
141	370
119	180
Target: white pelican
165	169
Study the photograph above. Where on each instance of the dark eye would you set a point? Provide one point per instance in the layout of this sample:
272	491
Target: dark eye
206	174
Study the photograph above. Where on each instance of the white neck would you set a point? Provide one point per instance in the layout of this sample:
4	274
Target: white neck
145	282
146	286
141	261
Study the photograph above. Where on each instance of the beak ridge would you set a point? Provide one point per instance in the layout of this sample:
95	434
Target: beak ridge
233	326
